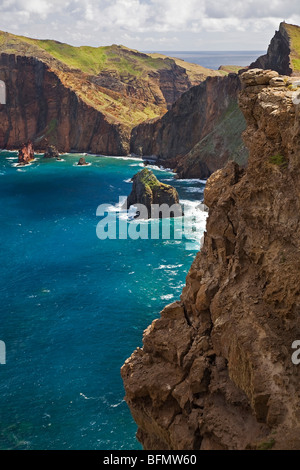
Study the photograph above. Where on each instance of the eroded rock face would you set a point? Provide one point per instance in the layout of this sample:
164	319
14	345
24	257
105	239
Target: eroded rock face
199	133
26	153
215	370
147	190
41	108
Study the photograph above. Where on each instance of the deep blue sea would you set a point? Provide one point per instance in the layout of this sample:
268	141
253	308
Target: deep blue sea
73	307
213	59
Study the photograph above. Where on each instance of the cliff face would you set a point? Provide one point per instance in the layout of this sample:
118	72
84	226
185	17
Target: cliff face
283	52
193	135
215	370
39	107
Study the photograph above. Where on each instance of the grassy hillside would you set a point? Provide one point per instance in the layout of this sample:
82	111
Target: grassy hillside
294	34
122	83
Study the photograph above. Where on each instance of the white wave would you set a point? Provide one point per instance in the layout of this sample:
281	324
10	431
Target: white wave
169	266
87	164
27	164
167	297
11	158
138	164
60	160
194	190
129	180
117	404
119	157
192	180
87	398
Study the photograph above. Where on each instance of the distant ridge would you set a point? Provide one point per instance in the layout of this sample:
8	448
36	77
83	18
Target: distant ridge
116	87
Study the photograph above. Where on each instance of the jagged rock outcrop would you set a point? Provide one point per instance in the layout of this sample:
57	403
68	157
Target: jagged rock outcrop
51	152
26	153
283	52
199	133
215	370
148	190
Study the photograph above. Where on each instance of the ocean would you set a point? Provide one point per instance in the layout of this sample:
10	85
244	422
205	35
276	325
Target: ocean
213	59
74	307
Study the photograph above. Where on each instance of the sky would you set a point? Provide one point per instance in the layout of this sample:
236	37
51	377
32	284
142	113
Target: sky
152	25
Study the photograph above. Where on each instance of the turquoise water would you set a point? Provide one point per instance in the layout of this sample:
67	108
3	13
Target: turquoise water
74	307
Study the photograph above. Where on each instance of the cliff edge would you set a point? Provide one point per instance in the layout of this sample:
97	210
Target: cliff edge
215	370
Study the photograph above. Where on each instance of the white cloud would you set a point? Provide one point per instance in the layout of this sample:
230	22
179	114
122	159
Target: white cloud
152	21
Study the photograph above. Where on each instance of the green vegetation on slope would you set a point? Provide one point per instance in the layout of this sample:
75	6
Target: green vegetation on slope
122	83
294	34
146	177
90	60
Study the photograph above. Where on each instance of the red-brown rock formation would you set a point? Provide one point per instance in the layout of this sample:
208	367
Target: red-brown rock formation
215	370
26	153
39	107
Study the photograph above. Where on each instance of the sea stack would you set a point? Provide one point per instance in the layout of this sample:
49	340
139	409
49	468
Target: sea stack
147	190
51	152
82	162
26	153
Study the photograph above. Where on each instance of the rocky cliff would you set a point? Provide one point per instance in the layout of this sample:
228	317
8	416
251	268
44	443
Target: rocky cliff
199	133
40	107
84	99
215	370
283	53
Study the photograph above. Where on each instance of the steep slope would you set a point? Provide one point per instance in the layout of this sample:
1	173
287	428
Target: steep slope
116	87
193	135
215	370
283	53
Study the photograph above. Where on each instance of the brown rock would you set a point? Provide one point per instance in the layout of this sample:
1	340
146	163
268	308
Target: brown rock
82	162
26	153
234	381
